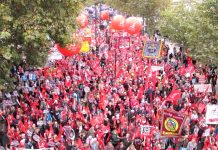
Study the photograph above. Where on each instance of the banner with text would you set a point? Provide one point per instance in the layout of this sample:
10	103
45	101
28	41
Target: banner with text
146	130
203	88
212	114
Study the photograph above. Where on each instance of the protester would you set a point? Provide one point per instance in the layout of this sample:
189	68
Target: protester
83	103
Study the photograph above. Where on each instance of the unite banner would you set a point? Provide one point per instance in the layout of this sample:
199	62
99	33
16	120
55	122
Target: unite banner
172	123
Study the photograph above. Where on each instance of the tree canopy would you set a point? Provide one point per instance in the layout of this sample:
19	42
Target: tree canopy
148	9
26	27
195	27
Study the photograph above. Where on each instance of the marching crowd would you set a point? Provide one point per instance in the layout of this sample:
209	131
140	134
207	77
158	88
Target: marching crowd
80	103
83	103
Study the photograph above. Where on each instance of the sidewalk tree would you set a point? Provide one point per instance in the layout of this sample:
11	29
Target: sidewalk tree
26	27
195	27
149	10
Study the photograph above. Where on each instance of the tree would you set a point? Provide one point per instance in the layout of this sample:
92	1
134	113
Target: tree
26	27
195	27
147	9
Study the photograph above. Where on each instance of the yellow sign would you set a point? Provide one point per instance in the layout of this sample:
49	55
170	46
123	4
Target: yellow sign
171	124
85	47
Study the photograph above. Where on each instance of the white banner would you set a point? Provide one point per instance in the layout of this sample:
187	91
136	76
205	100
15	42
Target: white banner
203	88
212	114
202	79
145	129
157	68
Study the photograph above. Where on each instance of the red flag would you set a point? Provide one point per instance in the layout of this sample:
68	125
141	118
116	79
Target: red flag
190	69
134	103
59	72
182	70
121	108
61	131
174	96
189	60
148	71
79	142
154	77
94	121
122	119
9	125
102	100
140	93
201	107
51	129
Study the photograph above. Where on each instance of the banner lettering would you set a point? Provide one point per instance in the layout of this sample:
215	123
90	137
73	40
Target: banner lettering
212	114
203	88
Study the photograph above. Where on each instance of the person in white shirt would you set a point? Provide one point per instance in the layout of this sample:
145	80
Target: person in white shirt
192	145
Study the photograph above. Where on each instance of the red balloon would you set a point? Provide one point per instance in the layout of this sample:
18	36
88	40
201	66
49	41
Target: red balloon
133	25
118	22
72	50
105	15
82	20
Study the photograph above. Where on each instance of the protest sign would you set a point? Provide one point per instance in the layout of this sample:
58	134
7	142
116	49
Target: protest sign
172	123
145	129
157	68
212	114
203	88
201	79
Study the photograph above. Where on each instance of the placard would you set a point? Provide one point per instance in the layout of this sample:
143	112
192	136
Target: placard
212	114
201	79
157	68
203	88
145	129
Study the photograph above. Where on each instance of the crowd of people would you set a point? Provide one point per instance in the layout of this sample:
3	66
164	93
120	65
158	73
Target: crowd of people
81	102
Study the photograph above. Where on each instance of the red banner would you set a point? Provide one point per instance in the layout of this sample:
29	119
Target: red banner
174	96
172	123
184	70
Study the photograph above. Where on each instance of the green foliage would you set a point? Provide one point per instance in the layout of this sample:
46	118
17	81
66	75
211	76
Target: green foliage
195	28
148	9
25	26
